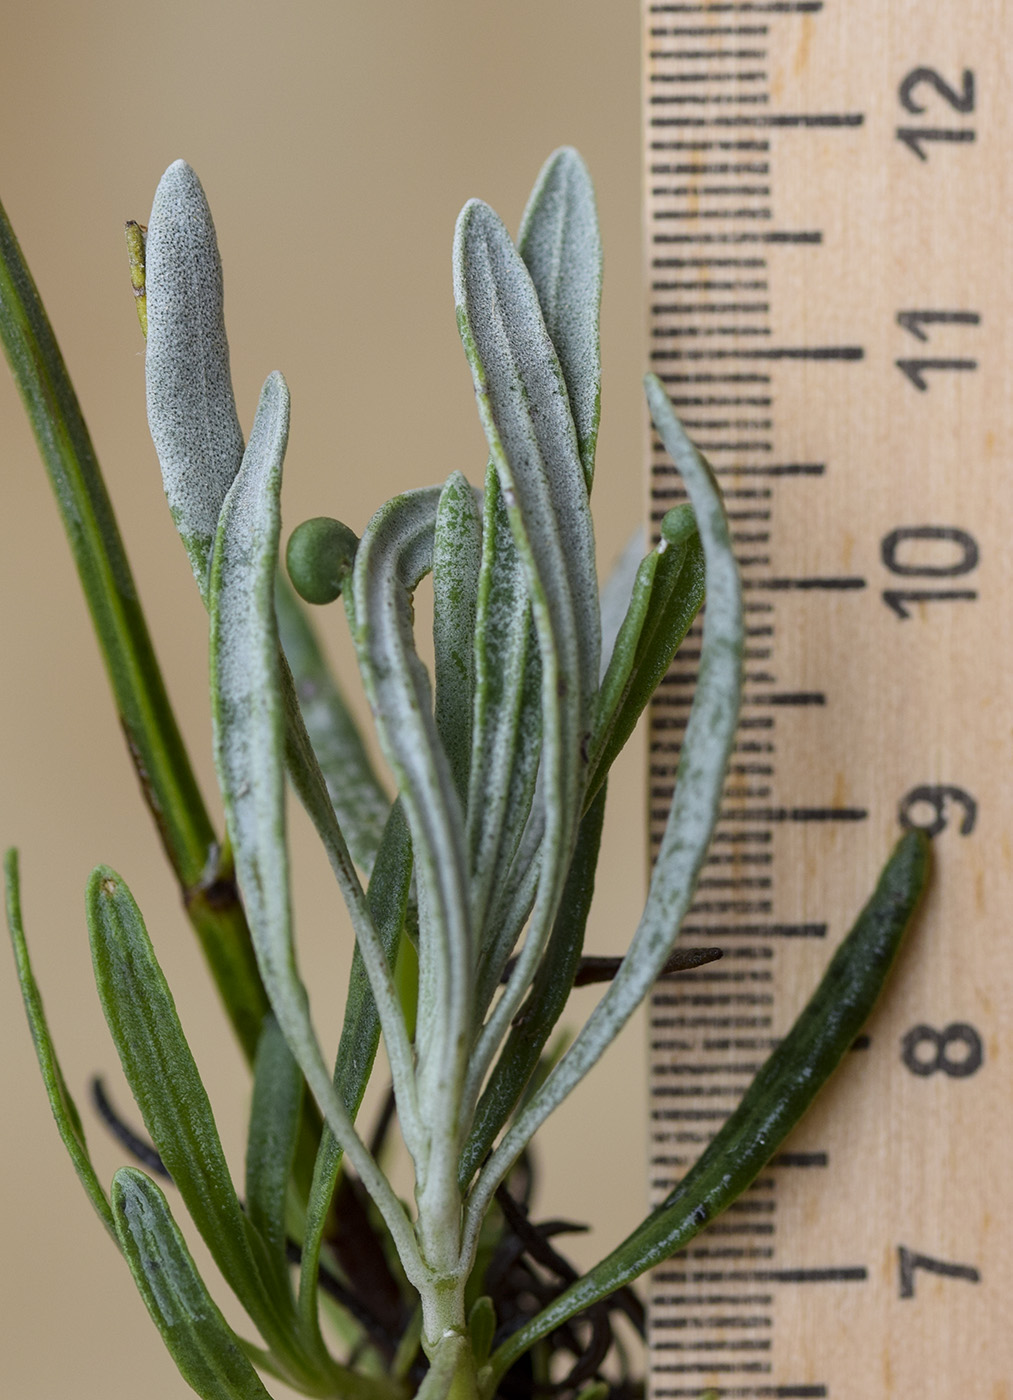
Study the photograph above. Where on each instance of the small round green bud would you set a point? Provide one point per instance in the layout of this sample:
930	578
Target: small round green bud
320	554
678	525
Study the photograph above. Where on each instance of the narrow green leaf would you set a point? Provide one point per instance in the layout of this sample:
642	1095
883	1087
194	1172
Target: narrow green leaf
270	1146
561	246
356	793
191	406
775	1101
506	745
457	553
250	730
695	807
153	739
166	1083
198	1338
68	1120
667	595
533	1025
360	1034
482	1328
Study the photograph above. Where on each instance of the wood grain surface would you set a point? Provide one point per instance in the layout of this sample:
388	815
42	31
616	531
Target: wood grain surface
828	273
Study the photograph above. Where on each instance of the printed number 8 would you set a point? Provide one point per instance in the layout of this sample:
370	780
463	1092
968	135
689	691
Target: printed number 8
958	1032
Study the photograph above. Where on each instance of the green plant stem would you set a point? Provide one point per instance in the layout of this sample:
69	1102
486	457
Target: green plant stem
451	1374
152	735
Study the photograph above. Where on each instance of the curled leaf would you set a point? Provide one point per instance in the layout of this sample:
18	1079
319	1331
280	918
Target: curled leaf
250	724
395	554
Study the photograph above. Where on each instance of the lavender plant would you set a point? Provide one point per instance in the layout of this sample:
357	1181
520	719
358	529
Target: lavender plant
468	891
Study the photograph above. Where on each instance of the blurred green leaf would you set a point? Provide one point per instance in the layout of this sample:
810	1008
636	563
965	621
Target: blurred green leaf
68	1120
270	1147
482	1328
616	592
200	1341
166	1083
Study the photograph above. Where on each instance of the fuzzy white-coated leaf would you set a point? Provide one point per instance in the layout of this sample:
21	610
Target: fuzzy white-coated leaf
395	553
709	737
560	243
191	406
457	556
525	411
249	736
617	591
524	408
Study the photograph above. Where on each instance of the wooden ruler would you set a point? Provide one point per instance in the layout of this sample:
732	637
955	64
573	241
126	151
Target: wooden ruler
829	258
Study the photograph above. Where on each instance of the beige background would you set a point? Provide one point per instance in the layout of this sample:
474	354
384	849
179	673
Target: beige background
337	142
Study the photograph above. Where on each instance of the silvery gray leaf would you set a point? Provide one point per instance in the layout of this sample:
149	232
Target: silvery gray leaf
249	738
695	807
525	411
560	243
191	406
